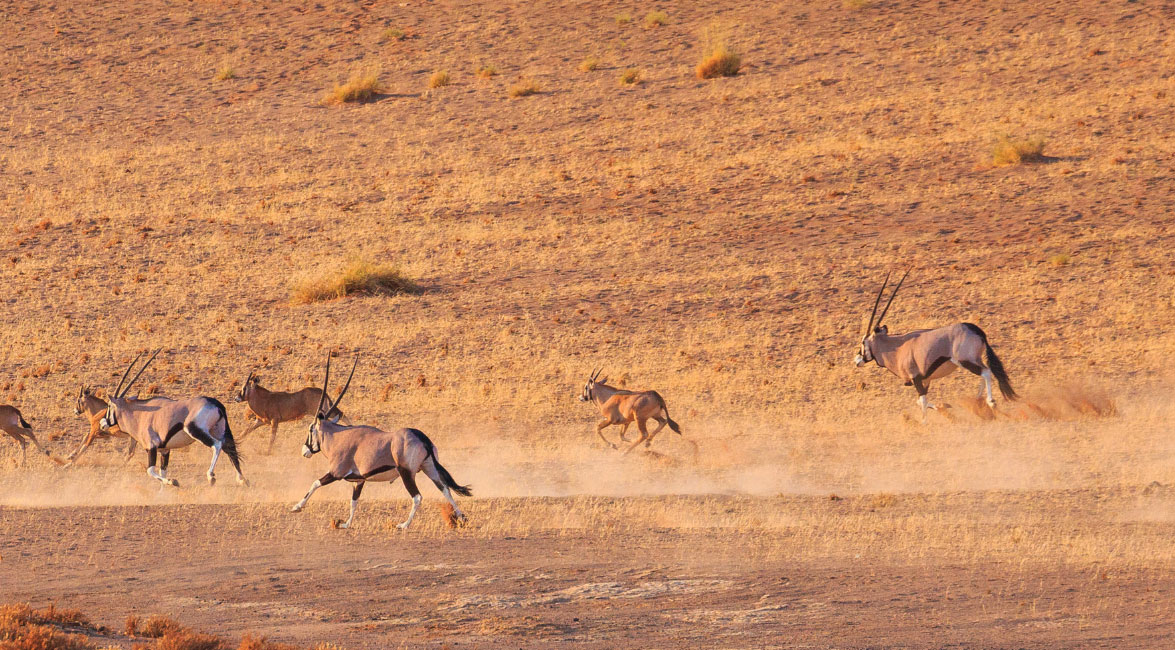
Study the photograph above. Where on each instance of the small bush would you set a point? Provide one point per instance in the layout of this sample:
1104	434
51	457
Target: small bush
1060	259
439	79
156	626
656	19
225	72
857	4
360	87
188	640
524	88
623	18
392	34
23	628
589	64
1010	151
359	277
261	643
719	59
487	71
630	77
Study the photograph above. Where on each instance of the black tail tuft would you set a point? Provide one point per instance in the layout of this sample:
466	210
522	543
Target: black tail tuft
446	477
1000	374
673	426
25	424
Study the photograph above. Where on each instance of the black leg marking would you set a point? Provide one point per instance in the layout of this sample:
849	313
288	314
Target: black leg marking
166	458
199	435
357	490
327	480
409	481
934	366
973	367
918	385
175	428
152	456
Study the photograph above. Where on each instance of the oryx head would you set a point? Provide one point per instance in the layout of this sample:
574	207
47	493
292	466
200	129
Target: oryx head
313	443
865	352
110	420
586	395
246	388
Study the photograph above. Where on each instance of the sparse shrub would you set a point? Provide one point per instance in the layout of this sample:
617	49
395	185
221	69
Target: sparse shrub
188	640
1060	259
589	64
393	34
623	18
630	77
23	628
719	59
225	72
656	19
487	71
251	642
857	4
439	79
359	277
1011	151
525	87
361	87
156	626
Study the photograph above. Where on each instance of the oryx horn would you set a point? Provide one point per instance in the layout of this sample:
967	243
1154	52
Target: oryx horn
127	372
325	385
140	373
345	386
881	292
891	297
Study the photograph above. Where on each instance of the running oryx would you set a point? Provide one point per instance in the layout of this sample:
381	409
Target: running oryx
94	408
275	407
358	454
12	423
154	423
924	355
619	406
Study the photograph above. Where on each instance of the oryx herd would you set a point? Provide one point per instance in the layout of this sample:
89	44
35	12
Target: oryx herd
358	453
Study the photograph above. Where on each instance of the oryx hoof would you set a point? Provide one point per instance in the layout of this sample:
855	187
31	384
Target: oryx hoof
990	403
211	480
242	481
403	525
342	525
172	482
297	508
614	446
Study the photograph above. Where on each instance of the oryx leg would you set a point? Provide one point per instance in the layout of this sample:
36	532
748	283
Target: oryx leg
90	437
272	438
923	403
130	450
152	457
258	422
600	426
23	445
165	458
409	482
624	431
430	470
325	480
985	373
355	492
640	424
660	425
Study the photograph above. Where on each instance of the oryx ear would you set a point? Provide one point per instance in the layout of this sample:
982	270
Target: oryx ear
884	329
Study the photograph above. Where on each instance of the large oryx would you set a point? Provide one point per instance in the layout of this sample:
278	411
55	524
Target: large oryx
358	454
12	423
155	424
274	407
94	408
924	355
622	407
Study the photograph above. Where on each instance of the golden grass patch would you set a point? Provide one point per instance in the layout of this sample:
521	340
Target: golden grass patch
439	79
589	64
525	87
656	19
487	71
623	18
393	34
720	61
1015	151
361	87
630	77
359	277
225	72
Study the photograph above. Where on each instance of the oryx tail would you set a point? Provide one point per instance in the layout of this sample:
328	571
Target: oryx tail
446	477
996	366
230	444
665	409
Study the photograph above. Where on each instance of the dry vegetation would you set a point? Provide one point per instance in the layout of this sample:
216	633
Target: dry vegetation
719	242
360	87
1014	151
439	79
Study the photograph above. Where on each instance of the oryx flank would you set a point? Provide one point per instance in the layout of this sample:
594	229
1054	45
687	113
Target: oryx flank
12	423
920	356
619	406
358	454
155	424
94	408
274	407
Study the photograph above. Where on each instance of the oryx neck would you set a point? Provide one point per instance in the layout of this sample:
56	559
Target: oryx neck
602	393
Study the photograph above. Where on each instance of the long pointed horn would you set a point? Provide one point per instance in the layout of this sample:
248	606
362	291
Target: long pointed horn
596	374
248	378
325	384
891	297
880	293
127	372
346	385
140	373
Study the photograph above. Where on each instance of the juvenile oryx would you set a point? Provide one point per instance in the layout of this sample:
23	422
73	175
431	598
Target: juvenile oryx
154	423
274	407
358	454
619	406
924	355
94	408
12	423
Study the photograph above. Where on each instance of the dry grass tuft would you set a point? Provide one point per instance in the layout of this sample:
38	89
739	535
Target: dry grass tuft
23	628
656	19
156	626
487	71
251	642
393	34
187	640
524	88
589	64
623	18
1060	259
225	72
361	87
857	4
721	61
439	79
1012	151
360	277
630	77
